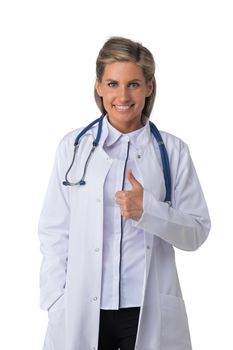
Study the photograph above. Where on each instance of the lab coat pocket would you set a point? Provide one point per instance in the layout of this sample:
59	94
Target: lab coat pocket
55	336
174	324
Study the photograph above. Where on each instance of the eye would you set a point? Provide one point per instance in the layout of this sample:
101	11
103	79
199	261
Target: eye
134	85
112	84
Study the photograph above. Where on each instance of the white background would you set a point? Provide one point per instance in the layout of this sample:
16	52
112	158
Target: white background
47	71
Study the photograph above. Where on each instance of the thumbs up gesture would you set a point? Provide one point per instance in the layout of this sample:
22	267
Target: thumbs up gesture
131	202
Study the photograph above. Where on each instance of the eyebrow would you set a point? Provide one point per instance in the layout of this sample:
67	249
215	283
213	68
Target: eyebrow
130	81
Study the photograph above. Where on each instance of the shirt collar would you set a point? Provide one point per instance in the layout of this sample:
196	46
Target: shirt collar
139	138
113	134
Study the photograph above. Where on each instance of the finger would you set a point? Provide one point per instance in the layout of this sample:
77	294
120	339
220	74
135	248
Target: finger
121	194
133	181
131	214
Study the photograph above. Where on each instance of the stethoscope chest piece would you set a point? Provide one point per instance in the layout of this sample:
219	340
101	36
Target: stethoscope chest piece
156	134
95	143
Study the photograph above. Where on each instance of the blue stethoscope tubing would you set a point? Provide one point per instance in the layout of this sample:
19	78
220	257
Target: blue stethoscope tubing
156	134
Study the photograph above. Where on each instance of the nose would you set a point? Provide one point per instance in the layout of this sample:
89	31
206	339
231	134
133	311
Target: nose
123	94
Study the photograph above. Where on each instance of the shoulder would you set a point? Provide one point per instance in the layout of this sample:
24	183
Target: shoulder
69	138
173	142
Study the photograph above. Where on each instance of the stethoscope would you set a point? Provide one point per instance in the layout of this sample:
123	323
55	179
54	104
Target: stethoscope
154	131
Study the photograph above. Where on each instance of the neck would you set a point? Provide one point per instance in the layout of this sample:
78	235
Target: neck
129	127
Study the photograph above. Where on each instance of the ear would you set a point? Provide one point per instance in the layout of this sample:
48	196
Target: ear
98	87
150	87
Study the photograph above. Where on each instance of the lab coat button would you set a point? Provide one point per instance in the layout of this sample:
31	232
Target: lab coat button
97	250
139	156
148	247
95	298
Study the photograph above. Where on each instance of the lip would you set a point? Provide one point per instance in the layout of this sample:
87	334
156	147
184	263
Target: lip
122	108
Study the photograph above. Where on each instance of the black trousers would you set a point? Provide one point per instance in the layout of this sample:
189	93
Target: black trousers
118	328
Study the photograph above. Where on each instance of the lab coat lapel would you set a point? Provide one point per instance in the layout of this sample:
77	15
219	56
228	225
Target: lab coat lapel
149	165
101	162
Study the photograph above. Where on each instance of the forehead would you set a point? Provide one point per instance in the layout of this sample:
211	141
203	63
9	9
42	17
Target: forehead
123	70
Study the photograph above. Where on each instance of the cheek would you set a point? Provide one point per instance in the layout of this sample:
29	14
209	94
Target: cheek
107	103
141	99
108	98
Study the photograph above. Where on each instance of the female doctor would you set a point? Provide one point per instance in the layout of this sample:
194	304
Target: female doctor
108	226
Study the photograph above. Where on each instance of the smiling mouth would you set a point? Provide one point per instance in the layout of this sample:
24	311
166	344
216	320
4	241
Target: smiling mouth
122	108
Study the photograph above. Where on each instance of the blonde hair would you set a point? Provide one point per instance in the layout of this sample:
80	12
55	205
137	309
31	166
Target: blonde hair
118	49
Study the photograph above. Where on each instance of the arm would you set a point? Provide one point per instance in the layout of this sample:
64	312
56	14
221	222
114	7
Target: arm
53	234
186	224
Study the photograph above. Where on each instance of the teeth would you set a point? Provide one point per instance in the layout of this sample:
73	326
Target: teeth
122	108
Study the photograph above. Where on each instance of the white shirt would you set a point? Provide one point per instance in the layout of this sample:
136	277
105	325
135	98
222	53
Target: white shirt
123	244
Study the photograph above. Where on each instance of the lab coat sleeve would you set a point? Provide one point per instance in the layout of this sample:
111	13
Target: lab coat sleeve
186	223
53	234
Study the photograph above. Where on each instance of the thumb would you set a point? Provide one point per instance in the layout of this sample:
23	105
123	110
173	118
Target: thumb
134	182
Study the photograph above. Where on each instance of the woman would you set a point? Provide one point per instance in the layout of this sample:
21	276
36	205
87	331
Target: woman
108	276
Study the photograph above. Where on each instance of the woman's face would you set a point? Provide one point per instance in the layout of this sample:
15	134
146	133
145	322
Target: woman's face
124	90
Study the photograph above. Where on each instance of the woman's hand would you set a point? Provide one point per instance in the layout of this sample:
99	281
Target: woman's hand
131	202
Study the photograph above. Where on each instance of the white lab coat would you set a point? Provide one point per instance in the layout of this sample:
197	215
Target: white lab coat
71	234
